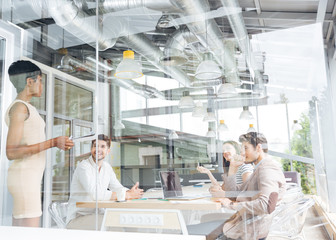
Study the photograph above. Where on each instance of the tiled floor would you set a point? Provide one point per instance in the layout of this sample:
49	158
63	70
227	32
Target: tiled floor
312	230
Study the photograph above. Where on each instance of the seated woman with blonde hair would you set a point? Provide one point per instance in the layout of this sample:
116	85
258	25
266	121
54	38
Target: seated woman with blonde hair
235	162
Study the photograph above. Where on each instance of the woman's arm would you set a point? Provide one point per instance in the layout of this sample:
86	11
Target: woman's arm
14	149
207	171
235	163
247	170
246	176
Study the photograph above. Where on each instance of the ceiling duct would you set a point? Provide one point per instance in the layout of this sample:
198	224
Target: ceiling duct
174	50
84	27
80	24
239	30
120	5
210	35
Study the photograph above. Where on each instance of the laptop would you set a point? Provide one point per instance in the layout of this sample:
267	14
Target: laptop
172	189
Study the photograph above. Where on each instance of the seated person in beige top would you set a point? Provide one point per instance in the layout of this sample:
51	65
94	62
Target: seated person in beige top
268	183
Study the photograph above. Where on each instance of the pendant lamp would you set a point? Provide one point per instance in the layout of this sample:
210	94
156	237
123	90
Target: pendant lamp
222	126
246	114
186	101
128	68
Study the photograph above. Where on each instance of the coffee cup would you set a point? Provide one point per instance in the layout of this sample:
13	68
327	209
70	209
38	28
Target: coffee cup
121	195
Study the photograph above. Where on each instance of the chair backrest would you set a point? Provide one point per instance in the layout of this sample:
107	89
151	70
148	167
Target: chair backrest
292	177
58	212
289	218
293	193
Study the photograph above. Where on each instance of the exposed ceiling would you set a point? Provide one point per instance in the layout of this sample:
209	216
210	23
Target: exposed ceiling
180	30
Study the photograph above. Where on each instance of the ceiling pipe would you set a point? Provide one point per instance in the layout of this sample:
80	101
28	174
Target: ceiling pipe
239	30
140	89
210	35
85	28
176	44
120	5
80	24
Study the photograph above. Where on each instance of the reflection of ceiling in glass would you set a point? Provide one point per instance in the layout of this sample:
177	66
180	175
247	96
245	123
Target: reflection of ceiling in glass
172	38
294	62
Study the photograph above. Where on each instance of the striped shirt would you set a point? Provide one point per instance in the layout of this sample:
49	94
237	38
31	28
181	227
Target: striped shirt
245	168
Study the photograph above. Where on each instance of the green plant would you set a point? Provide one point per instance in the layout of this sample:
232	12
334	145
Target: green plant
301	146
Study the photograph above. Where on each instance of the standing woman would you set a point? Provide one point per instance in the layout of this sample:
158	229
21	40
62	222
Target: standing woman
26	144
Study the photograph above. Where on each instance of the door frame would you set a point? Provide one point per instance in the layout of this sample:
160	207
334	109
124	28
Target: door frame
13	51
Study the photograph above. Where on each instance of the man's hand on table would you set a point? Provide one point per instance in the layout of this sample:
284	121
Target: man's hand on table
134	192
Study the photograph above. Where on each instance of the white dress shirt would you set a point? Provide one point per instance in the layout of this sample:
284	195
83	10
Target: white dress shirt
85	182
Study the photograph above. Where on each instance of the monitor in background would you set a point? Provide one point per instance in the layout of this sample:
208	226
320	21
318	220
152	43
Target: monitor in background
171	185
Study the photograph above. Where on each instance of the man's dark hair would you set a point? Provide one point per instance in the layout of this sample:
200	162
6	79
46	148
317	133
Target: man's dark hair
104	138
255	138
20	70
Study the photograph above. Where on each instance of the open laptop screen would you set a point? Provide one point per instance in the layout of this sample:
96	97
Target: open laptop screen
171	185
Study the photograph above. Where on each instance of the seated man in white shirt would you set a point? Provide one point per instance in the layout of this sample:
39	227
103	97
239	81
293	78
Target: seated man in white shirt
85	182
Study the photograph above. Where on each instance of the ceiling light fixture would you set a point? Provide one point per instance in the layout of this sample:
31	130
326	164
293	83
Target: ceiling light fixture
63	51
173	135
251	128
199	110
210	133
128	68
208	69
226	90
222	126
118	125
210	116
246	114
186	101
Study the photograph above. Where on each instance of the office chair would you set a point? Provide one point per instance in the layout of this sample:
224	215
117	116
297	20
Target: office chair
289	219
58	212
293	193
292	177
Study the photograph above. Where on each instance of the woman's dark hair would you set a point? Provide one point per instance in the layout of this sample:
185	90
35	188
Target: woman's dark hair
236	147
104	138
20	70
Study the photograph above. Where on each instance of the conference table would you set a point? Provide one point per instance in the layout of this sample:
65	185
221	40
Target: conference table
153	199
192	210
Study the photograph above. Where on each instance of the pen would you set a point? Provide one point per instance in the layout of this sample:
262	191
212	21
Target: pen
139	199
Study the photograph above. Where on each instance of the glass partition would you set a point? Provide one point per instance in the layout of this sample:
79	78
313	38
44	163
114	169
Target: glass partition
2	72
158	87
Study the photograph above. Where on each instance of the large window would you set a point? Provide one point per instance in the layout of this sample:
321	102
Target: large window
124	68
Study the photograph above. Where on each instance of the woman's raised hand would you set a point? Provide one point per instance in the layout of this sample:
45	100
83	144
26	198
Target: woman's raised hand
63	142
203	170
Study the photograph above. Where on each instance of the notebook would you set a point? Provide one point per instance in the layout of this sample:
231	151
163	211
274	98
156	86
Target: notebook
171	187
